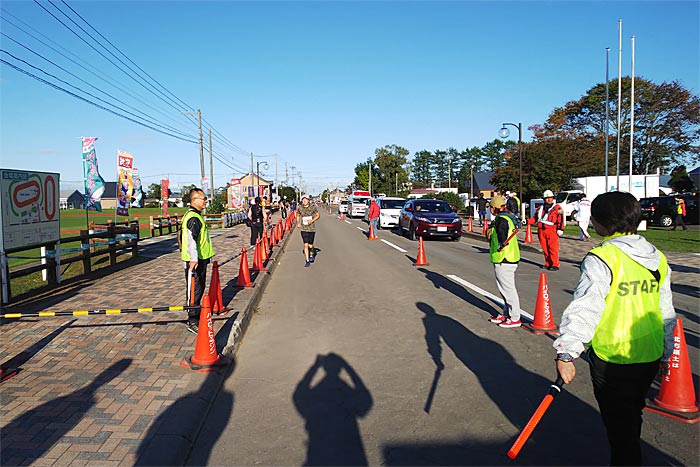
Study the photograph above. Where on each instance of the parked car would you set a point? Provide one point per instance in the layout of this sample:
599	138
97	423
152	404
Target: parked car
343	206
429	218
389	210
661	210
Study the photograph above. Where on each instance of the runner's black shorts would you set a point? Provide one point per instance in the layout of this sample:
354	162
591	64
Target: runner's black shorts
308	237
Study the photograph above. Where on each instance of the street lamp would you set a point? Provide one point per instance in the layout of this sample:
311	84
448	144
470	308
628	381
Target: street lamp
504	133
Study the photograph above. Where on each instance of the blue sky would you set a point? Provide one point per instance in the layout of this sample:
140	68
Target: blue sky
323	84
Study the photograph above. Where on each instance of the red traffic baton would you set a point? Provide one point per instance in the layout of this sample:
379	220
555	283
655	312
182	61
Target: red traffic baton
515	232
554	389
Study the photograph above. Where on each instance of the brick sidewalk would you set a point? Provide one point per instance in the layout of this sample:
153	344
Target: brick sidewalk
94	390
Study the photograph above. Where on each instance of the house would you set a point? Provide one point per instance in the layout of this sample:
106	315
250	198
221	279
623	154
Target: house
482	184
71	199
250	186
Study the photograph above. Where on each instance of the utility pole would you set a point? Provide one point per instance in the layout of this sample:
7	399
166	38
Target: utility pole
211	167
369	167
201	144
286	174
277	182
251	164
301	187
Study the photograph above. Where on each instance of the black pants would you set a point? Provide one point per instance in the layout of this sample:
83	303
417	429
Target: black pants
200	283
620	391
256	231
678	221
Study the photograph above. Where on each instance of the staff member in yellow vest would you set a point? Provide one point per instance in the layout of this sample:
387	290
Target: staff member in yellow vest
196	253
505	256
622	314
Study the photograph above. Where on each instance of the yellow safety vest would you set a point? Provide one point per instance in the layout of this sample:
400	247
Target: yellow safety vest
631	329
511	252
205	249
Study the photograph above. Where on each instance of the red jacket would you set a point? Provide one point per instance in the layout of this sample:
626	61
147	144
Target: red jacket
373	210
552	219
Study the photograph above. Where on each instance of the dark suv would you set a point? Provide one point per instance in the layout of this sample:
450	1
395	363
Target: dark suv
429	218
661	210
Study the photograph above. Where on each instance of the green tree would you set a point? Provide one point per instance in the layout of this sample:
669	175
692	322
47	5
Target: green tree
218	204
666	124
450	198
186	193
680	181
361	181
287	191
390	171
421	168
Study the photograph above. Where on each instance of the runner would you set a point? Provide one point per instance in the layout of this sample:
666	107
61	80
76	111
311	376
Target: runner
307	215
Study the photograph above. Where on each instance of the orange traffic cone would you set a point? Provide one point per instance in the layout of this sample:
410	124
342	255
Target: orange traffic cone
676	398
264	247
470	227
342	216
420	259
205	358
280	232
215	298
486	227
372	235
544	322
257	257
244	272
273	238
528	234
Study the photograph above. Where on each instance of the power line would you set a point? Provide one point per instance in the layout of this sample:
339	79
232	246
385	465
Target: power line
48	83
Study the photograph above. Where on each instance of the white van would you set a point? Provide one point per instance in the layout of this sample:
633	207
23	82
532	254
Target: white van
357	203
389	210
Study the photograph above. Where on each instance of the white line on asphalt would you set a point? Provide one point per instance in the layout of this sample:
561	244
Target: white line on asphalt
349	222
360	228
393	246
483	292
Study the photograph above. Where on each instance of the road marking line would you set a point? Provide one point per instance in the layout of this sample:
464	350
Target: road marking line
393	246
483	292
349	222
360	228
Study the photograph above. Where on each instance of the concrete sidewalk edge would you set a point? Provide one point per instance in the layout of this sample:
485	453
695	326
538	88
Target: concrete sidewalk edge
193	410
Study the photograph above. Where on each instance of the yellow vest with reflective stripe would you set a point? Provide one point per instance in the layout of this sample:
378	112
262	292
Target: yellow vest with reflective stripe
511	252
205	249
631	329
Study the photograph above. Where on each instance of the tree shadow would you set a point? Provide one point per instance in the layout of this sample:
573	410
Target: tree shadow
171	438
331	409
515	392
683	268
684	289
45	418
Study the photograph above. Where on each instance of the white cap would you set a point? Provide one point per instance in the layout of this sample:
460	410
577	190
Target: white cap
548	194
304	196
508	193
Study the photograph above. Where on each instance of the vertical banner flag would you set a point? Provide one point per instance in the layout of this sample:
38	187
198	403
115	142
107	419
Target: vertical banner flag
164	195
94	183
138	191
125	183
235	198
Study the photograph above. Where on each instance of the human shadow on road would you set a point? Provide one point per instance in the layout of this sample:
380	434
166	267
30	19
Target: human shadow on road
180	435
441	282
71	408
15	363
331	409
516	393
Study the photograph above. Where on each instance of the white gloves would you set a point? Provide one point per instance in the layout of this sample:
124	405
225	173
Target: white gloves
560	233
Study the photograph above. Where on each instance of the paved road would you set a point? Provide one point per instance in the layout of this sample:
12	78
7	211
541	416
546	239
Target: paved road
382	329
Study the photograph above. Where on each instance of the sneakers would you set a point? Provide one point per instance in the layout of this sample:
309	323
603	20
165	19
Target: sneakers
311	259
307	264
193	327
498	319
509	323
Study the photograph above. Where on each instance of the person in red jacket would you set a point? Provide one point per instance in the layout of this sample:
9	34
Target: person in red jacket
373	215
549	219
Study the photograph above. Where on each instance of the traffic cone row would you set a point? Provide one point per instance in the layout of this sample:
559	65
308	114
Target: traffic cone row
677	397
470	227
544	316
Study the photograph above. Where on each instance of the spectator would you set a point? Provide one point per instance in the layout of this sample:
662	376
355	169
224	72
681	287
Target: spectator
583	217
196	253
256	220
481	207
627	331
373	214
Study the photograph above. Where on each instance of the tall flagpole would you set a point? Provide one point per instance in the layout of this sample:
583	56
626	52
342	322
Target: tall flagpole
632	118
619	101
607	115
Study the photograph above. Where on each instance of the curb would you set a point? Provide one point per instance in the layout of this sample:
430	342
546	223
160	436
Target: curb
174	439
